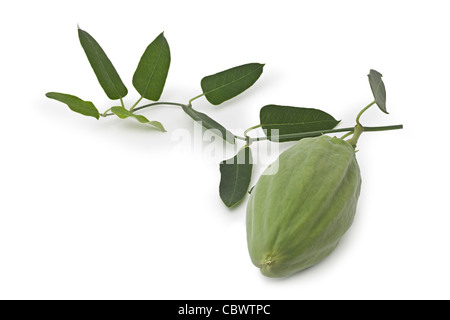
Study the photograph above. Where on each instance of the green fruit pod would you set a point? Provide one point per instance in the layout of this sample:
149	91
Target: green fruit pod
302	205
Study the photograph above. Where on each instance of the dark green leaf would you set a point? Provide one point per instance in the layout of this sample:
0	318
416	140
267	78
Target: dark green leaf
378	89
104	70
227	84
235	176
291	120
209	123
123	113
75	104
151	73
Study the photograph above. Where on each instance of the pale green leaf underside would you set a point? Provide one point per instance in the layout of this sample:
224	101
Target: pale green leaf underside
209	123
106	74
290	120
227	84
235	176
378	89
123	113
151	73
75	104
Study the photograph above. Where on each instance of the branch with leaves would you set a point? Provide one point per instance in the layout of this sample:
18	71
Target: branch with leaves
279	123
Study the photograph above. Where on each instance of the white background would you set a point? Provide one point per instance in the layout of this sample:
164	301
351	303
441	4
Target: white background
111	209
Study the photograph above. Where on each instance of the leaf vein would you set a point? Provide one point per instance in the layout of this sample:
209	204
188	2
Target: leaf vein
104	67
149	79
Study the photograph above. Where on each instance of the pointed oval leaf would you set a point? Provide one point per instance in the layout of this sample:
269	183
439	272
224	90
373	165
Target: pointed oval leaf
235	176
378	89
151	73
156	124
75	104
123	113
209	123
227	84
290	120
106	74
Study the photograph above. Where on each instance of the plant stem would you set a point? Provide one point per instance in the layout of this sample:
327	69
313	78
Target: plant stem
121	102
303	134
356	134
362	111
105	114
318	133
251	128
158	103
248	140
136	103
196	97
384	128
346	135
172	104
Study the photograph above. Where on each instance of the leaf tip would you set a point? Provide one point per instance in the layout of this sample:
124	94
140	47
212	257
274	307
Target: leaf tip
373	71
161	35
233	204
228	203
79	29
262	65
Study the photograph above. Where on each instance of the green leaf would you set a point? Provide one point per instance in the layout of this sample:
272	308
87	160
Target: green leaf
75	104
104	70
123	113
378	89
235	176
291	120
151	73
209	123
227	84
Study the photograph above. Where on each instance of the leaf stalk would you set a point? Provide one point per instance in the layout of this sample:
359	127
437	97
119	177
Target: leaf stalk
362	111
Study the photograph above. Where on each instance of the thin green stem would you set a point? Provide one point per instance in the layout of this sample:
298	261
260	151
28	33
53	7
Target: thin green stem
318	133
121	102
384	128
136	103
105	114
362	111
346	135
248	140
158	103
303	134
196	97
251	128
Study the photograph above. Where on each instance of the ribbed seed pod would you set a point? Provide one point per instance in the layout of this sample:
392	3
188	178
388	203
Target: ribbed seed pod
296	217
